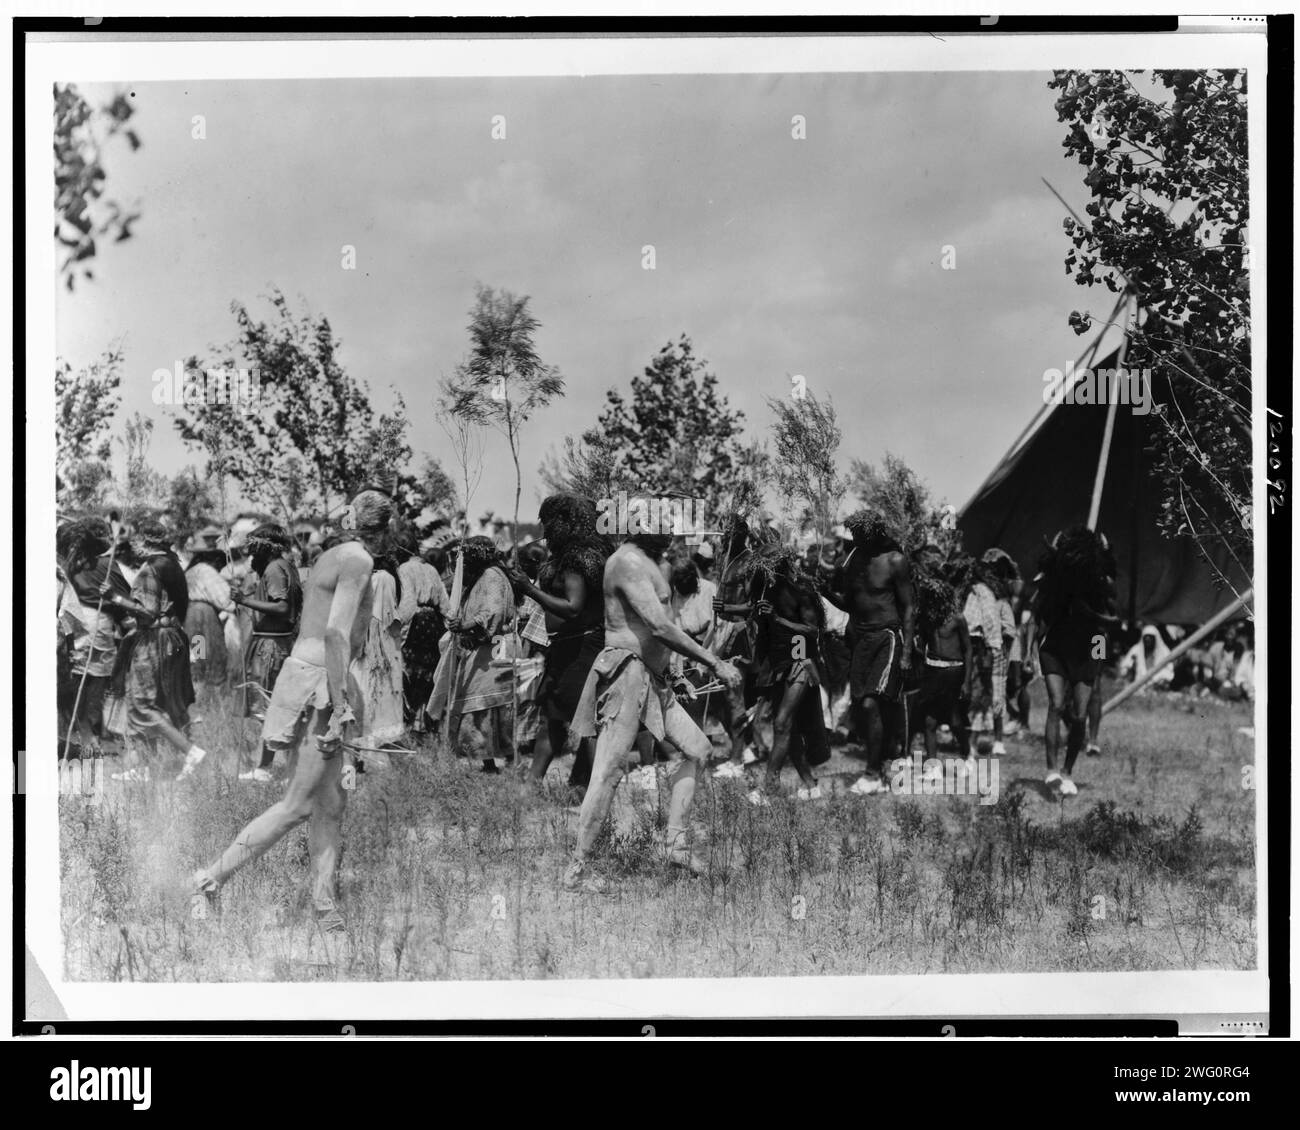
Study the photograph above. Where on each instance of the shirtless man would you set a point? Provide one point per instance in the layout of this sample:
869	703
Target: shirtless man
875	589
311	697
627	690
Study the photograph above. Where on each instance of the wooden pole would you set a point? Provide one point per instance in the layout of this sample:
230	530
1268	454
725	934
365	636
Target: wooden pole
1191	641
1099	480
1089	351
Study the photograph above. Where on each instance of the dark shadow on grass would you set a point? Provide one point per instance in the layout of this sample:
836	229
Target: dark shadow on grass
1036	786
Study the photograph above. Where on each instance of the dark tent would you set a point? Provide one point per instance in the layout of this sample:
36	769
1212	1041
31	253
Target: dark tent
1044	483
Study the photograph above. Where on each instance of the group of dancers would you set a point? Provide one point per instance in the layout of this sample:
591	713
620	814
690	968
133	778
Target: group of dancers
625	654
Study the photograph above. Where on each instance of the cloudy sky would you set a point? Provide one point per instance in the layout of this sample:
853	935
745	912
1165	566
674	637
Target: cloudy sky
777	256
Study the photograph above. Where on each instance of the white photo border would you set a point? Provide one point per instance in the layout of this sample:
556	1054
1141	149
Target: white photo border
1092	995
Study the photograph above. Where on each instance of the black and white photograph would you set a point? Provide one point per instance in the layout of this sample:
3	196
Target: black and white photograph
543	526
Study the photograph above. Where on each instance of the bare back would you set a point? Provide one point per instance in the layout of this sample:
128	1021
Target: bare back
343	573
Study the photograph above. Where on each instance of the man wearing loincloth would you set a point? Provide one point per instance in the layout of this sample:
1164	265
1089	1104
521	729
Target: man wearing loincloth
790	623
310	698
1073	613
627	690
874	586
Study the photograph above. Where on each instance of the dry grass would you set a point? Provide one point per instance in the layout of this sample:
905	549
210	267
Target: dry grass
447	874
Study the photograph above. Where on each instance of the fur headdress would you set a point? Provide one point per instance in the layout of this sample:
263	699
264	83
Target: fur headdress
83	539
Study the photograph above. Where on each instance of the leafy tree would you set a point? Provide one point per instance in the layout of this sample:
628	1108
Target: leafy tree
82	214
86	400
503	381
588	466
87	485
145	488
307	407
465	434
433	489
677	435
292	490
1166	161
904	500
191	503
806	439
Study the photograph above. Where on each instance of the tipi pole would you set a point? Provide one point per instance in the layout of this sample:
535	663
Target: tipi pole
1090	352
1113	394
1191	641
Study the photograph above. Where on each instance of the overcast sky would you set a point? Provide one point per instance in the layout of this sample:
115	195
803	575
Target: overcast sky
820	257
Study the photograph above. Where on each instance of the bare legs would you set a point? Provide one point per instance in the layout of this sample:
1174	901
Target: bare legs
614	747
315	792
1070	703
783	725
873	723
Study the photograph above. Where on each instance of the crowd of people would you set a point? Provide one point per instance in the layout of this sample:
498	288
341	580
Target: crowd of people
652	658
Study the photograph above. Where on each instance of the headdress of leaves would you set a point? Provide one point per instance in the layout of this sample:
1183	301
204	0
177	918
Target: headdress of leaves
959	571
270	536
478	554
870	527
769	560
936	598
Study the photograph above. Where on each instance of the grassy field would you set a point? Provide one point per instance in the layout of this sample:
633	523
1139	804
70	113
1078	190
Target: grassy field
449	874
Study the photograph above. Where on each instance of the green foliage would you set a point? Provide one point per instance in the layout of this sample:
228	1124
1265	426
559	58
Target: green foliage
589	467
433	488
677	435
1166	161
85	402
145	491
308	409
900	495
503	381
806	440
82	214
191	504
